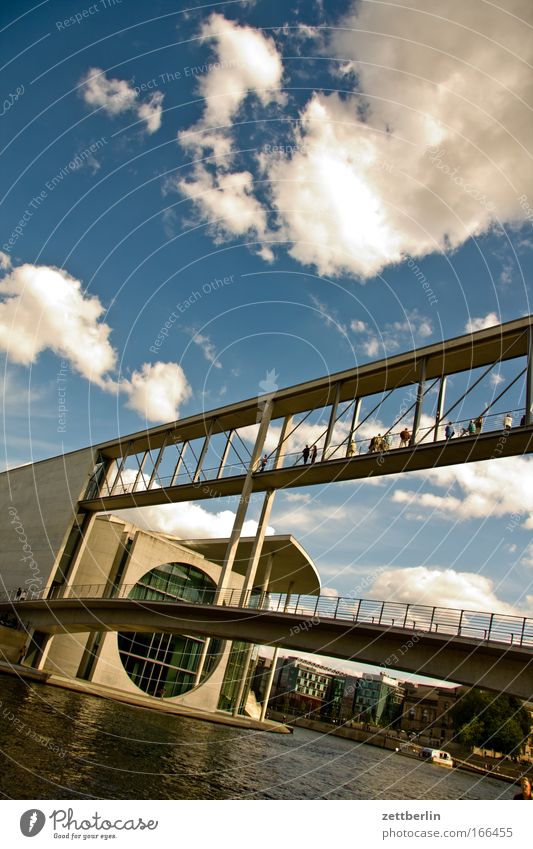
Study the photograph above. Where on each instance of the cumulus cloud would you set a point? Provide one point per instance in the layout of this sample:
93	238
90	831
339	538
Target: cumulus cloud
45	308
246	65
185	520
246	62
157	391
151	112
489	320
5	261
116	96
440	587
482	489
427	151
226	200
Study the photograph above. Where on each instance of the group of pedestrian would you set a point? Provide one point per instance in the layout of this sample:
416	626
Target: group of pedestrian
21	594
380	443
309	454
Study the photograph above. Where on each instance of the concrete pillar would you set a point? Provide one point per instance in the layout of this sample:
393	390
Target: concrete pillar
240	516
281	449
440	407
225	453
201	662
355	422
419	401
270	681
258	544
242	682
331	424
248	657
203	452
529	377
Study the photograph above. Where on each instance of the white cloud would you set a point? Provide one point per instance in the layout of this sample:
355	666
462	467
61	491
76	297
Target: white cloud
489	320
45	308
116	96
358	326
495	489
157	391
246	62
152	111
208	349
414	327
5	261
440	587
426	153
185	520
226	201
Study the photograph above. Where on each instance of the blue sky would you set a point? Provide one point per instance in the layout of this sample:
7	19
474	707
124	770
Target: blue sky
283	181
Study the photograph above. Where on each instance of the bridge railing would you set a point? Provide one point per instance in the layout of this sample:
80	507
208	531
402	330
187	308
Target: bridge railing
359	446
417	619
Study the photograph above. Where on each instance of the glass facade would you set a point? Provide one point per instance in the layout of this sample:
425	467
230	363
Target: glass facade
167	665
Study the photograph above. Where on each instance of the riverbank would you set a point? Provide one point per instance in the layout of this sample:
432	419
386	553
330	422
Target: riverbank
386	739
144	702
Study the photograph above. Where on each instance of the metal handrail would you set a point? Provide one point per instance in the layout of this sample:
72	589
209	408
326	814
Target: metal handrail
292	458
485	626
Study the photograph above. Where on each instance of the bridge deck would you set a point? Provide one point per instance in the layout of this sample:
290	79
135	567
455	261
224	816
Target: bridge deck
484	446
474	648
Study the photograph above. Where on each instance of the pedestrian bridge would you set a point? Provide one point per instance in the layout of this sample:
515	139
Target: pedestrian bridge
473	648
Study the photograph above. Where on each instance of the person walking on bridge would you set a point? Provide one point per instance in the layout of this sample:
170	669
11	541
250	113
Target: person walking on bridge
405	438
449	431
305	453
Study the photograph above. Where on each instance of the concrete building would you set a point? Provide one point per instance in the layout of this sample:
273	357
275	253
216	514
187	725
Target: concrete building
43	552
426	711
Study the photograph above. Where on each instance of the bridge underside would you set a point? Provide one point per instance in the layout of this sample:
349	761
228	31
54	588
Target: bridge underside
484	446
451	658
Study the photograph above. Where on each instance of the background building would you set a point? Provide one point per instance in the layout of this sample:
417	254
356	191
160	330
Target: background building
426	711
378	699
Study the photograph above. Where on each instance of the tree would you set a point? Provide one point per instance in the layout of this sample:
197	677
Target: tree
492	722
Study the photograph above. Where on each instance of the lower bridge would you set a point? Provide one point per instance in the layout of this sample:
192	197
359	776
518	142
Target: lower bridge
473	648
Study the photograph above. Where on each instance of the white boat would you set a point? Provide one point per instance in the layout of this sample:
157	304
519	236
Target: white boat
437	756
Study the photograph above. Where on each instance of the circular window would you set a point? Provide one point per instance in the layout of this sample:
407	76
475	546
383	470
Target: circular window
167	665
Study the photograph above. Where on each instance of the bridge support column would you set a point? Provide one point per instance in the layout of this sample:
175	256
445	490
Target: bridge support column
244	500
332	419
257	548
529	377
419	401
353	426
264	590
440	407
268	688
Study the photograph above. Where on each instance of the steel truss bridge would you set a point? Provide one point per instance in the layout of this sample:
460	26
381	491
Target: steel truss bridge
211	455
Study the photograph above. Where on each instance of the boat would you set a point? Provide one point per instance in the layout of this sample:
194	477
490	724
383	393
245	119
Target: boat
437	756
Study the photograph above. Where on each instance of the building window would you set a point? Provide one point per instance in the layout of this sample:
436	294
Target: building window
165	665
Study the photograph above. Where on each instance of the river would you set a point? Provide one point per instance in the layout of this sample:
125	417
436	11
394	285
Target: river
62	745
